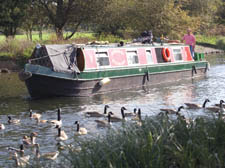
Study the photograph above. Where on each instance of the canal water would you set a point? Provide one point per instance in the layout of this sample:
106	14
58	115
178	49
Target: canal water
15	101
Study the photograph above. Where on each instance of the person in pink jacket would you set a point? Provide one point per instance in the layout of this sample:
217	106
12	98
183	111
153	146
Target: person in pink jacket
189	39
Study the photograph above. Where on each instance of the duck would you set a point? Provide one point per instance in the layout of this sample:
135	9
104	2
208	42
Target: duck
217	109
61	135
2	126
172	111
21	161
134	113
29	141
57	123
13	121
104	123
80	130
97	114
197	106
34	115
45	156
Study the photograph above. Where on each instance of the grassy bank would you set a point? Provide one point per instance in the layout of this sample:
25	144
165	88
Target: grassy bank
217	42
159	142
20	47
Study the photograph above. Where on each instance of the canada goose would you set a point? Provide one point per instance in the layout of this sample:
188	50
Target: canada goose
172	111
217	109
61	135
58	122
21	161
103	123
20	150
45	156
2	126
97	114
30	141
117	119
80	130
34	115
13	121
131	114
137	117
197	106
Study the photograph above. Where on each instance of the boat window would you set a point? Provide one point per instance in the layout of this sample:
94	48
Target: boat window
177	54
132	57
102	58
149	57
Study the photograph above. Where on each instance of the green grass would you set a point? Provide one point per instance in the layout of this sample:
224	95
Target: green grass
160	142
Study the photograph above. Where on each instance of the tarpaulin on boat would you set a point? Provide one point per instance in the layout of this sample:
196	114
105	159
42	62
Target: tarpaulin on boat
62	57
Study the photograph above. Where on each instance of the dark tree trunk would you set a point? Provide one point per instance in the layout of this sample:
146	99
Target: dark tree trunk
59	33
30	35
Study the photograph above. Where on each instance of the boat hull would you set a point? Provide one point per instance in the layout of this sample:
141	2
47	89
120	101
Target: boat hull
47	86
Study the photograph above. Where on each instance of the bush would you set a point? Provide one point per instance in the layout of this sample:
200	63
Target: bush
16	48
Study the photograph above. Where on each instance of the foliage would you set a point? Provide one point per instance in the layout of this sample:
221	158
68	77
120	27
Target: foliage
159	142
70	13
11	15
16	48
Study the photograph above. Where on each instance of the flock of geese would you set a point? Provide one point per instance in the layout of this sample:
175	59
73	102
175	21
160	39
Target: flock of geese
102	120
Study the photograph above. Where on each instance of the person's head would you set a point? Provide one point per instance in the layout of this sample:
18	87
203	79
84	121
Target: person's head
189	31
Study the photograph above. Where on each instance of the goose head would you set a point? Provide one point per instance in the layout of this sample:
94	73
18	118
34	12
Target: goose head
105	109
181	107
221	102
9	119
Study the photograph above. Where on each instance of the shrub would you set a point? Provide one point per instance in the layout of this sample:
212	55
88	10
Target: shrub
16	48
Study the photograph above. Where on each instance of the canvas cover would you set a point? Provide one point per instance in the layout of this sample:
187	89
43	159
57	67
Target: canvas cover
63	57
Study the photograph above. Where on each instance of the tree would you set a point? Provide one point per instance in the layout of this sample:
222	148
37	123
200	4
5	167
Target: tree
70	12
35	18
12	13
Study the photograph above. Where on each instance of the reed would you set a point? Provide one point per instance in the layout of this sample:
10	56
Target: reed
159	142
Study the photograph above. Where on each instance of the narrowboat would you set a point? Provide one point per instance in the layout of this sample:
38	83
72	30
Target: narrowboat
85	70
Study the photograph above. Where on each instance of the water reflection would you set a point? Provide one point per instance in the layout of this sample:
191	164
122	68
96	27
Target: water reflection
14	100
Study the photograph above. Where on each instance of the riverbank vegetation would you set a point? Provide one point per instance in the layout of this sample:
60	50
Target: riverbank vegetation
25	23
161	141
